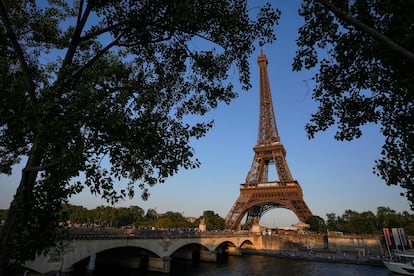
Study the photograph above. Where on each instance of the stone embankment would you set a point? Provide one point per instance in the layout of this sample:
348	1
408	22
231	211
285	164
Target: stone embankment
351	249
320	256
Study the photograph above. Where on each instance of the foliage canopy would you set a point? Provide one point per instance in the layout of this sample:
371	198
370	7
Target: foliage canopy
363	51
92	81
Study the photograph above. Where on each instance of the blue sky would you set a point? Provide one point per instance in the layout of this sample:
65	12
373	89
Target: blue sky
334	176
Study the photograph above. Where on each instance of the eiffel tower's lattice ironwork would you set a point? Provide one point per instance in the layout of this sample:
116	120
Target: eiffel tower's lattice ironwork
259	194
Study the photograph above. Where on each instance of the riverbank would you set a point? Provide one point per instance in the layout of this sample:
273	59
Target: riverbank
319	256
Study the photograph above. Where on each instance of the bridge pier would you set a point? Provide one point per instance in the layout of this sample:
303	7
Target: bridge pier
186	255
208	256
91	264
159	264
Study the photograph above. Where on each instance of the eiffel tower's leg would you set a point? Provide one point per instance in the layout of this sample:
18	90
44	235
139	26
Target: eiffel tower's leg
233	217
253	216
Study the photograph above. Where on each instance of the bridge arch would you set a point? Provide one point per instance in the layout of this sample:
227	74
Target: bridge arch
163	248
77	252
247	244
224	244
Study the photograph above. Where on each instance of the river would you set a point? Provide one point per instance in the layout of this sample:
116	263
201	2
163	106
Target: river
248	265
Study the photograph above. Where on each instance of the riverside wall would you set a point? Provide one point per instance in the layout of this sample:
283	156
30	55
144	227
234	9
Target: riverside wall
365	245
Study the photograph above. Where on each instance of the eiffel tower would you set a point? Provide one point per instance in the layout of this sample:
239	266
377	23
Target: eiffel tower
258	194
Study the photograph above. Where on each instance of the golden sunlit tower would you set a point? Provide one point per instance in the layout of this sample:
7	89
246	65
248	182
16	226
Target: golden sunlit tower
259	194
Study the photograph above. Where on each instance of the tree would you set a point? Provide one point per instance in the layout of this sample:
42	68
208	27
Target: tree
122	217
384	214
174	216
103	215
75	214
358	223
102	89
316	224
213	220
137	214
177	220
363	50
367	223
331	221
164	222
151	217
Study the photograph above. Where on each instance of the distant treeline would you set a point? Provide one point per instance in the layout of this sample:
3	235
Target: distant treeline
352	222
108	216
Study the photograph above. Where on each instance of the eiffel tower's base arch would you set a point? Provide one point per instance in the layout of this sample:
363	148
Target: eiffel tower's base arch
258	200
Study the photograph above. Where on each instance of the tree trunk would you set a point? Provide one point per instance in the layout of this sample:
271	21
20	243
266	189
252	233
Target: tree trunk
17	215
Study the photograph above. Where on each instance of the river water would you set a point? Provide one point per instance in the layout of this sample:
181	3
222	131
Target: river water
249	265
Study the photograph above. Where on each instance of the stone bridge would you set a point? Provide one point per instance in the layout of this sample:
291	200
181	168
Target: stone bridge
157	247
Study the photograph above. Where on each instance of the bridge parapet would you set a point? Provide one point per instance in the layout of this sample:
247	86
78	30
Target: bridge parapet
84	233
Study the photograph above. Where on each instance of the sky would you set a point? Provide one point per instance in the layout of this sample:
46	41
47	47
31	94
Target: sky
335	176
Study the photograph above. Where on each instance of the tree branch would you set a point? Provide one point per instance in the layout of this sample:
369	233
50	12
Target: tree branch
374	33
100	31
164	38
96	57
40	168
80	24
27	76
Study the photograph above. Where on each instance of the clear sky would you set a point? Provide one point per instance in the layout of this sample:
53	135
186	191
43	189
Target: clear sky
334	176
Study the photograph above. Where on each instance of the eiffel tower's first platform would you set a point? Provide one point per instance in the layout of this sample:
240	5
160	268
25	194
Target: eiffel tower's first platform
259	194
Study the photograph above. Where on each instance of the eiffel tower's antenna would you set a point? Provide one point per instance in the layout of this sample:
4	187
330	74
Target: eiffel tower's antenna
261	43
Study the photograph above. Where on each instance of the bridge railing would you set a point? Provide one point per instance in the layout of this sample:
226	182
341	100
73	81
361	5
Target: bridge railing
84	233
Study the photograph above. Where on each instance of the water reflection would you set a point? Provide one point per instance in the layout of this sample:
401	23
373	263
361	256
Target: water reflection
248	265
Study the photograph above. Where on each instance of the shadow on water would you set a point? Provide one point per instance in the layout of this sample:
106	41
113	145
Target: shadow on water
264	265
242	265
